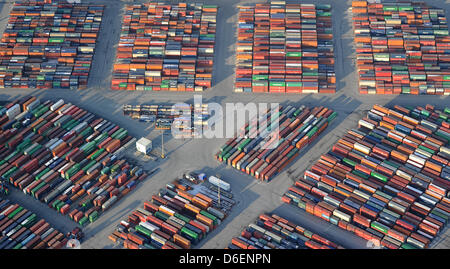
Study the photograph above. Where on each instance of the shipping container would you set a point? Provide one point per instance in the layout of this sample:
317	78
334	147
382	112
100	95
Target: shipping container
261	152
381	180
21	228
401	48
49	45
166	47
184	121
180	215
271	231
285	48
73	171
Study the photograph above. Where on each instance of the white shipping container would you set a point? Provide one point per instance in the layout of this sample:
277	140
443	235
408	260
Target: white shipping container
417	159
206	50
158	238
65	108
173	52
362	148
444	149
152	73
404	175
181	199
86	49
177	220
148	226
361	194
219	183
342	215
366	124
166	210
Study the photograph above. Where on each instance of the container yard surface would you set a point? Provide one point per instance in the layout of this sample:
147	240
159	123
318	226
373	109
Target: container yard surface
252	198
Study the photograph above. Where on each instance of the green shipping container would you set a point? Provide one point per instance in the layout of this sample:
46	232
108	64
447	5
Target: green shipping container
332	117
360	174
379	176
243	144
55	40
182	217
390	8
408	246
30	221
38	187
161	215
15	212
294	54
260	77
349	162
45	171
409	8
190	233
208	215
277	84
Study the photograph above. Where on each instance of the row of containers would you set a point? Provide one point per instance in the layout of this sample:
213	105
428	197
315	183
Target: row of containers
180	216
285	48
65	157
49	45
402	48
183	120
266	145
271	231
165	47
20	228
386	181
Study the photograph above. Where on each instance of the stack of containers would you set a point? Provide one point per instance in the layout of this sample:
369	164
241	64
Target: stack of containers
189	120
285	48
275	232
402	48
49	45
173	219
388	181
262	153
22	229
165	47
65	157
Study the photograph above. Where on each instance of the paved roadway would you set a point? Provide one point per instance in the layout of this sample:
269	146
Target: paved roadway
253	197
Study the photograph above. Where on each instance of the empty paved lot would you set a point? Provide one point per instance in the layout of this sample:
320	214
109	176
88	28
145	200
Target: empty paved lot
253	197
